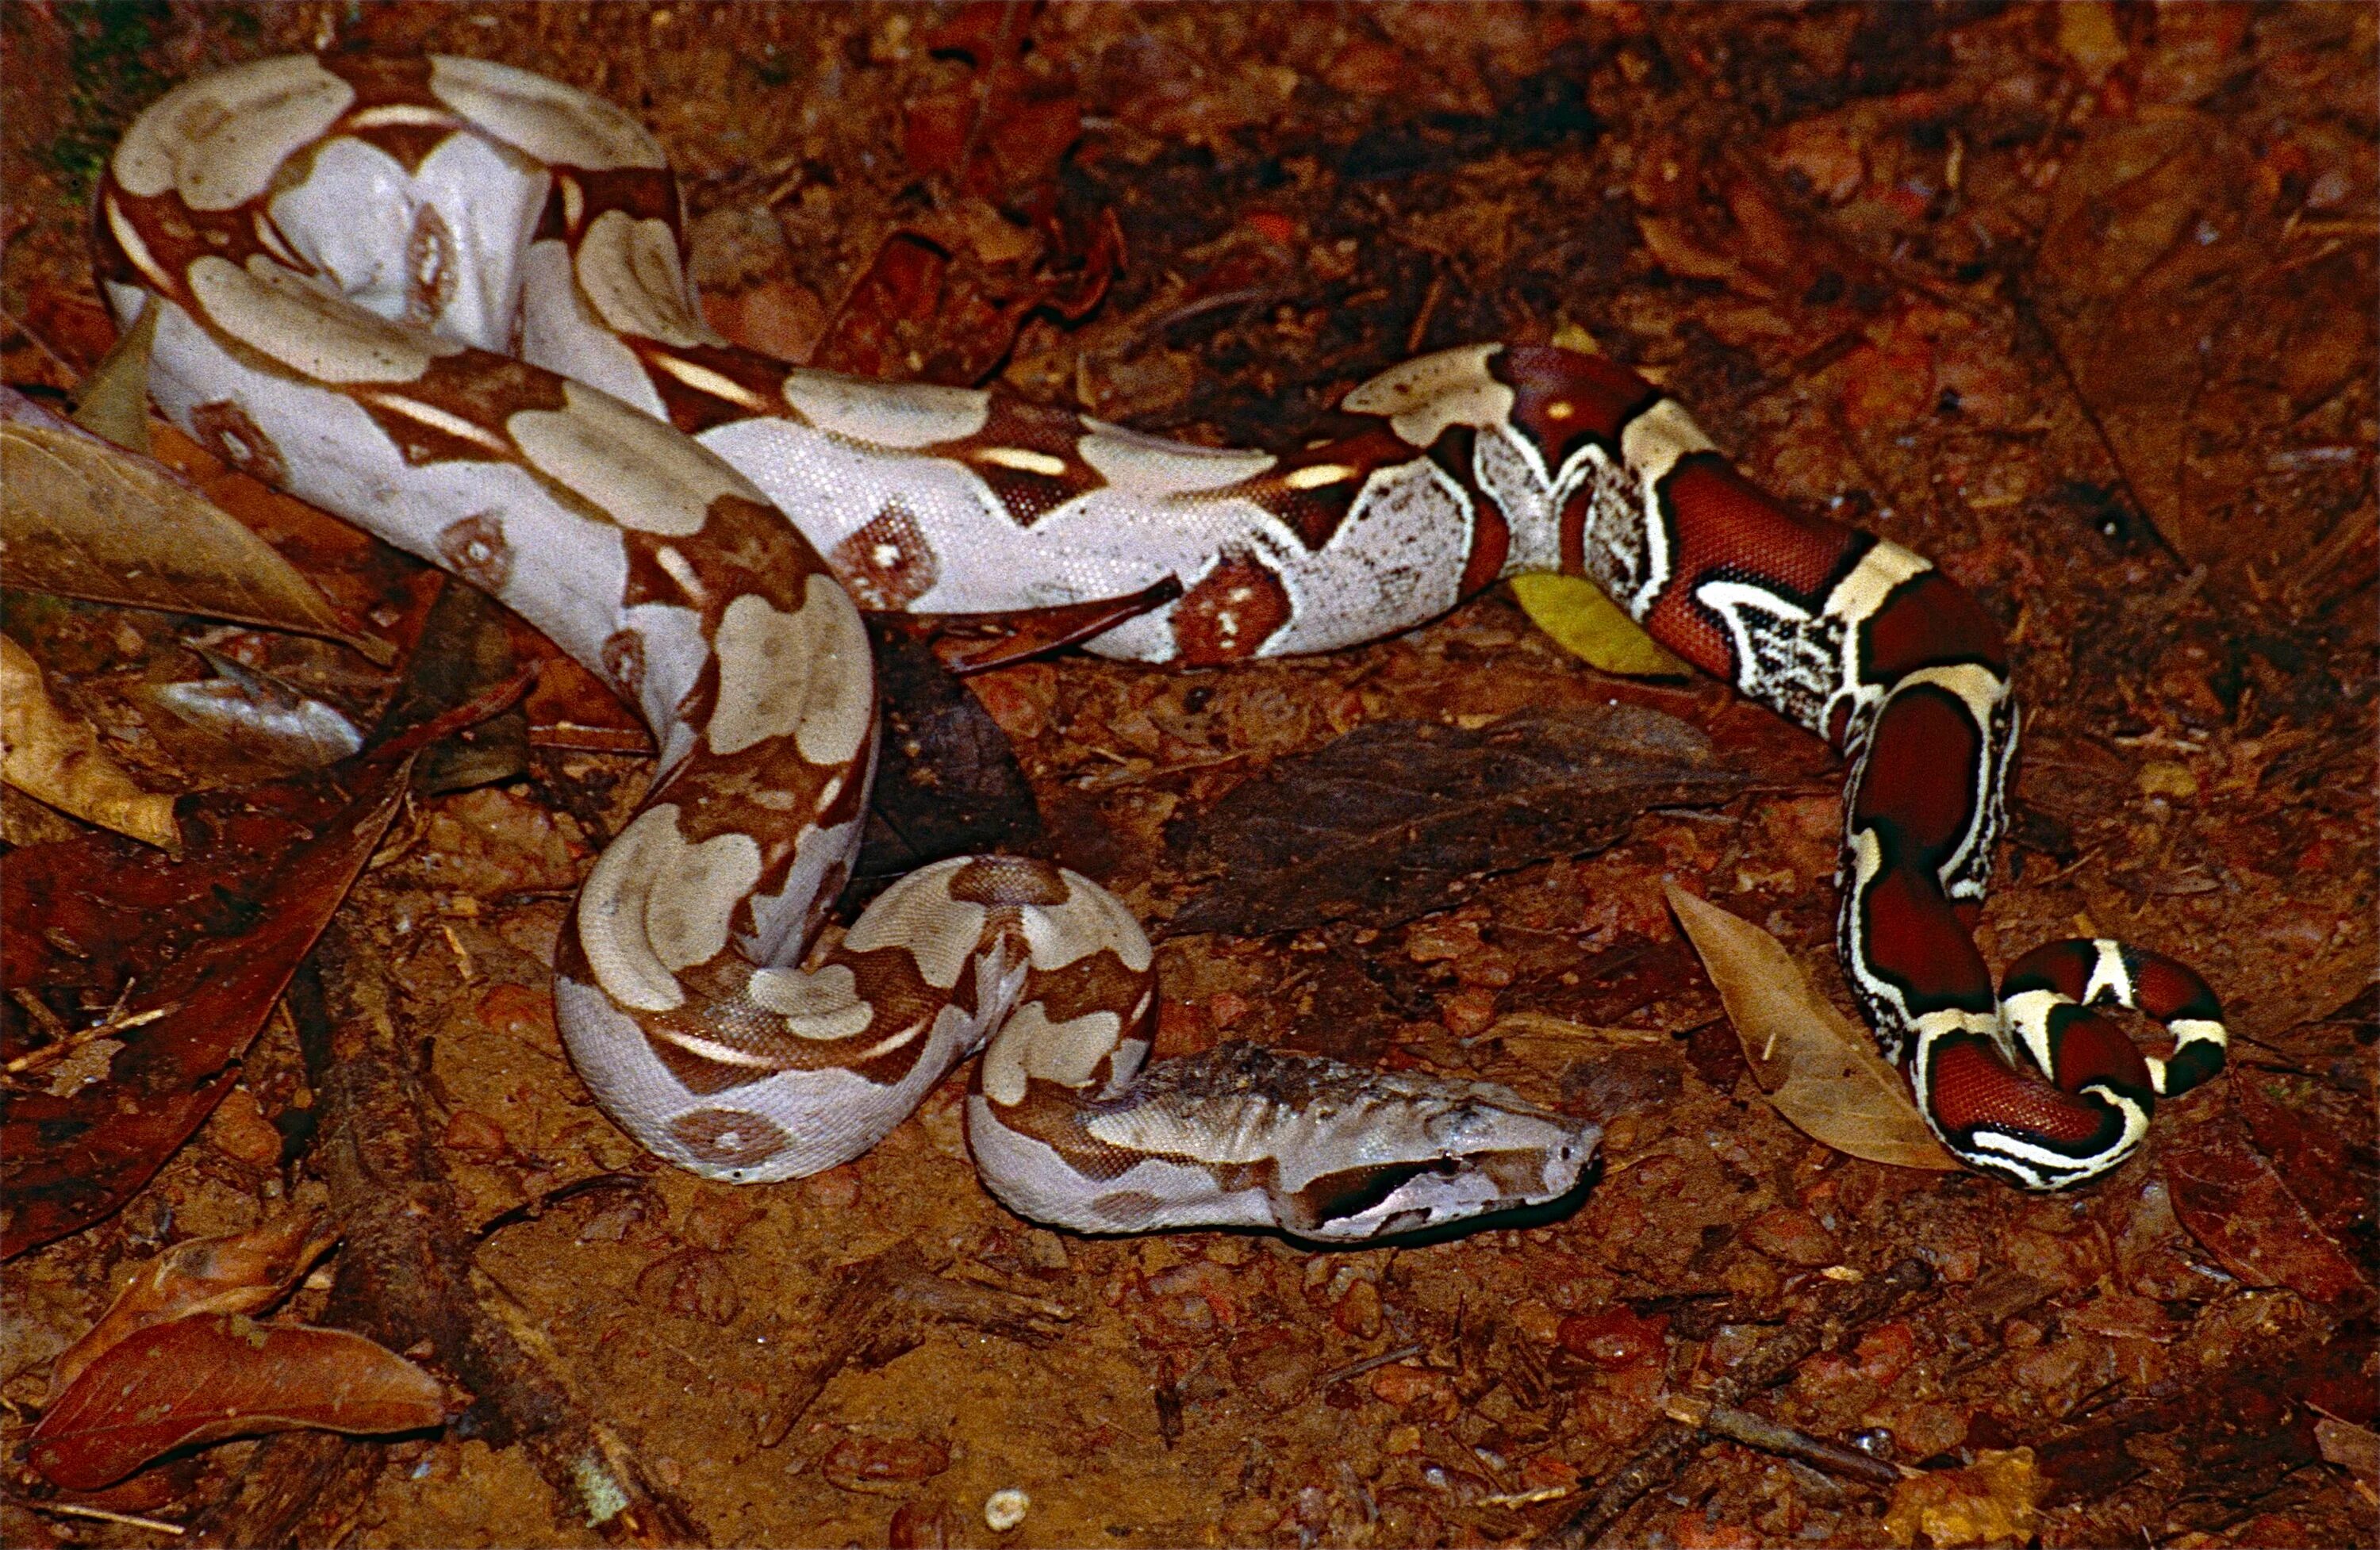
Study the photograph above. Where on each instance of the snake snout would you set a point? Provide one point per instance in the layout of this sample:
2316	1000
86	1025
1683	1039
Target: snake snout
1507	1159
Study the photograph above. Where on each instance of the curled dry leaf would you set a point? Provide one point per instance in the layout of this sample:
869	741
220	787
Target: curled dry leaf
201	1380
1590	626
82	517
465	648
48	754
947	781
1822	1073
237	1272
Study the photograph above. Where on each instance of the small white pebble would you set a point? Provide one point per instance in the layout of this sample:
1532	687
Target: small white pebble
1003	1510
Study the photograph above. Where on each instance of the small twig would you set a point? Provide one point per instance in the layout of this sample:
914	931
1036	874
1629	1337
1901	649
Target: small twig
48	1022
1419	332
406	1275
109	1027
531	1210
2072	867
462	953
67	1509
1529	1498
863	1303
1357	1368
57	358
877	1307
1215	303
1033	1321
1772	1436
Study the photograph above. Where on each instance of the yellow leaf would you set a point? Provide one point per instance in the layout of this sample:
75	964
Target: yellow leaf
1575	337
2088	35
1822	1073
47	754
1996	1500
1591	626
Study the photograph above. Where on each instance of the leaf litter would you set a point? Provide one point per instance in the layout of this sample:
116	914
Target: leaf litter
193	952
235	1273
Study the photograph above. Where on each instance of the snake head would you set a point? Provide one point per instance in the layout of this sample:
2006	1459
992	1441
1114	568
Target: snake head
1244	1137
1415	1153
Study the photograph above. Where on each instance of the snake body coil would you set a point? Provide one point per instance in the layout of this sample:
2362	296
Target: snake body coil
445	300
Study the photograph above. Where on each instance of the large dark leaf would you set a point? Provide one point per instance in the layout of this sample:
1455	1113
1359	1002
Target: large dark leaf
220	1375
2322	1145
194	953
2156	219
466	651
947	782
1385	823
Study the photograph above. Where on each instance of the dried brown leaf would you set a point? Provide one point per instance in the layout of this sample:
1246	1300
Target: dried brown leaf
48	754
261	717
2321	1142
84	518
200	1380
947	781
237	1272
2156	219
1821	1073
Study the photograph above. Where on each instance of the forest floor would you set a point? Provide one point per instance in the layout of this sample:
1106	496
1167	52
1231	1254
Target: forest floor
2078	301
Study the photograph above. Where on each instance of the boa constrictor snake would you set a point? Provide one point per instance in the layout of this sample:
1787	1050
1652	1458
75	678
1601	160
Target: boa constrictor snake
445	300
